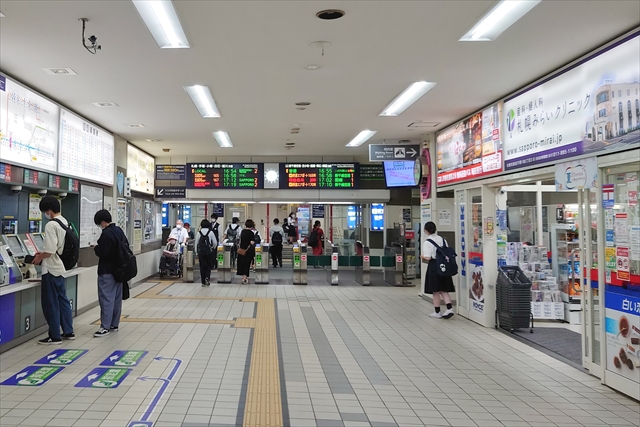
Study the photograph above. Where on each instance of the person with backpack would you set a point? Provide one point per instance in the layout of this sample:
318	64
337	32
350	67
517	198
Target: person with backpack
109	287
315	238
60	253
233	235
277	238
441	267
292	230
246	251
257	240
206	244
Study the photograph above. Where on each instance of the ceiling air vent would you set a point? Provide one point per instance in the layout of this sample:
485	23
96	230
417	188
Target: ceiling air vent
330	14
105	104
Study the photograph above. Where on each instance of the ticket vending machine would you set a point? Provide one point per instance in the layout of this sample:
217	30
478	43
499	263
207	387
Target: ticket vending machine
37	243
14	251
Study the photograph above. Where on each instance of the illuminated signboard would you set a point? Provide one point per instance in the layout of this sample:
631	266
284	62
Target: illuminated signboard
377	216
319	175
225	175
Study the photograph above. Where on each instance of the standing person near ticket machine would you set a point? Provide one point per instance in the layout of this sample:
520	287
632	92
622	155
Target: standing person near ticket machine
215	229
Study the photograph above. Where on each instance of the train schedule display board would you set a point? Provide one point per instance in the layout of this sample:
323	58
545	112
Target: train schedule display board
225	176
319	175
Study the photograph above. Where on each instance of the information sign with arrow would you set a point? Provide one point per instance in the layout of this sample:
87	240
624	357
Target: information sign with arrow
33	376
61	356
124	358
382	152
104	378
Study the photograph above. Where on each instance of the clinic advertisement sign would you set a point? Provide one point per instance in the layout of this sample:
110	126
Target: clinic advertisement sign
577	175
470	149
590	107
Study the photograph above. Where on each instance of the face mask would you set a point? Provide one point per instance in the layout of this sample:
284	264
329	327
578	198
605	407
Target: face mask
178	227
102	227
46	215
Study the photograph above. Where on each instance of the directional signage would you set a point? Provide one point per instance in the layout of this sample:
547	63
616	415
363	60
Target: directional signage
33	376
171	192
104	378
381	152
124	358
61	356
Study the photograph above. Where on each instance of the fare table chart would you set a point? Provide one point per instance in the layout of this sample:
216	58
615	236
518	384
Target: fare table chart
225	175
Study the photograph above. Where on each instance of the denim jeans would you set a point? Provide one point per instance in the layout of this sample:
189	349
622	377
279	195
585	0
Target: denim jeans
110	299
56	306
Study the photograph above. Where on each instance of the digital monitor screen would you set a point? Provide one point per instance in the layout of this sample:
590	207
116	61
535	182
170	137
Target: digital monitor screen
38	240
319	175
402	173
14	245
377	216
225	175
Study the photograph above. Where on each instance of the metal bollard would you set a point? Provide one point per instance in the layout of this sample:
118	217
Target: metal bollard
332	275
363	274
224	263
299	264
262	264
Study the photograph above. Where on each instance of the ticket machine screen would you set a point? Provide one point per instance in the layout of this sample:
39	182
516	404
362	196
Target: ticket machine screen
14	245
38	240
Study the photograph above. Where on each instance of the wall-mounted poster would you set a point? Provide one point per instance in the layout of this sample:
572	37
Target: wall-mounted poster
140	169
592	106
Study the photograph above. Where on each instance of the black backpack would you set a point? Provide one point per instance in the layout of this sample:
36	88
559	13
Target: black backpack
71	250
446	259
126	264
204	245
277	238
257	238
313	239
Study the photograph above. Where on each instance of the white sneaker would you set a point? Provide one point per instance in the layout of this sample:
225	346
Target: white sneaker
436	315
101	333
448	314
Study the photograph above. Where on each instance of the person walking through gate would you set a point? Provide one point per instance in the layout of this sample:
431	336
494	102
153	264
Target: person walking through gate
439	286
277	238
246	251
206	244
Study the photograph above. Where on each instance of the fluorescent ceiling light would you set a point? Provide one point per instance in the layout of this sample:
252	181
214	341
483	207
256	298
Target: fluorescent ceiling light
361	138
234	201
202	99
403	101
162	20
223	140
502	16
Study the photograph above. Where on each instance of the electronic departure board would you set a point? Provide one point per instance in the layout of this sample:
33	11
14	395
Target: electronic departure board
225	175
319	175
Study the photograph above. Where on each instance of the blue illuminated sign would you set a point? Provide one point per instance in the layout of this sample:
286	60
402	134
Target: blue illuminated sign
377	216
351	217
165	215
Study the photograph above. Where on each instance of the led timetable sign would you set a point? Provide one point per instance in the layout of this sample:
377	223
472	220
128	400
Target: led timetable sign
225	175
319	175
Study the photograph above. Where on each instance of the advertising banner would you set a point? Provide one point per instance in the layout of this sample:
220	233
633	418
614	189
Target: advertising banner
471	148
577	175
622	325
592	106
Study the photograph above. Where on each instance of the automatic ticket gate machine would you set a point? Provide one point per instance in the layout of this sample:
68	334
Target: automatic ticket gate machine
262	264
188	261
394	273
363	273
225	275
299	264
332	273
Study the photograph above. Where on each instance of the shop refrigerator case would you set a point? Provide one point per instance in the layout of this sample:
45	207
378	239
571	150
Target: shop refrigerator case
566	267
513	300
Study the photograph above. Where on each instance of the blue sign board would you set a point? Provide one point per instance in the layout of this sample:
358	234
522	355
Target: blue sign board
165	215
171	173
317	211
7	317
104	378
610	238
377	216
124	358
33	376
351	217
218	209
61	356
186	213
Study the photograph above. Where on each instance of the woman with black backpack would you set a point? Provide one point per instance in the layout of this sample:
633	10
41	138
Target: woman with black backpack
435	283
206	245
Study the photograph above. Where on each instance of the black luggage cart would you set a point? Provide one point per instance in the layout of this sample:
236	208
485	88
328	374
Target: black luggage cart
513	300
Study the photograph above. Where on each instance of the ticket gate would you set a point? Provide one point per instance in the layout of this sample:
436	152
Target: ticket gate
188	262
225	275
394	273
363	274
299	264
262	264
332	273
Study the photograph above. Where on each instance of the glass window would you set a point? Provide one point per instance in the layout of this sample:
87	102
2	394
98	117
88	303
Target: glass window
613	94
619	93
602	113
602	97
628	92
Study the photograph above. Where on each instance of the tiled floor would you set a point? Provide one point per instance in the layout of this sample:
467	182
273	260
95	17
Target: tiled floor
317	355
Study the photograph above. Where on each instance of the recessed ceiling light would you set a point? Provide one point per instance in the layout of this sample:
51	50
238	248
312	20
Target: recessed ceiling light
361	138
330	14
60	71
223	140
403	101
162	20
153	140
303	104
312	67
502	16
105	104
135	125
202	99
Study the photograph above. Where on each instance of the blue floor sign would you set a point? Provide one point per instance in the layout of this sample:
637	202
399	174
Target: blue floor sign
61	356
124	358
33	376
104	378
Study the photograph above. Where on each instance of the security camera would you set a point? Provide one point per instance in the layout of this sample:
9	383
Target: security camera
62	196
16	189
42	192
503	190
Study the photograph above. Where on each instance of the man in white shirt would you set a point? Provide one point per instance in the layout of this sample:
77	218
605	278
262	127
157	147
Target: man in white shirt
180	232
55	304
276	243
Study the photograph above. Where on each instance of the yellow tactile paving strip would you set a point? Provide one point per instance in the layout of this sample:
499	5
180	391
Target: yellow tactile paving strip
263	407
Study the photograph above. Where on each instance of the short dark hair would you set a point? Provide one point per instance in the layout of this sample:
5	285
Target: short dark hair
102	215
292	213
317	223
49	203
249	223
430	227
205	224
214	216
276	221
235	220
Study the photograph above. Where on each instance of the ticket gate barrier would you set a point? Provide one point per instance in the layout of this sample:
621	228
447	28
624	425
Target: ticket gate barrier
363	273
188	262
262	264
332	274
394	272
225	275
300	264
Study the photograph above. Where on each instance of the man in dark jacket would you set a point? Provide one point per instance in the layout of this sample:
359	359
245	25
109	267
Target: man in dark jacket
109	291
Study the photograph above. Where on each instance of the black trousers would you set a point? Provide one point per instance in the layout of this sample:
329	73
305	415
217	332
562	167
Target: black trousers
206	265
168	260
276	254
